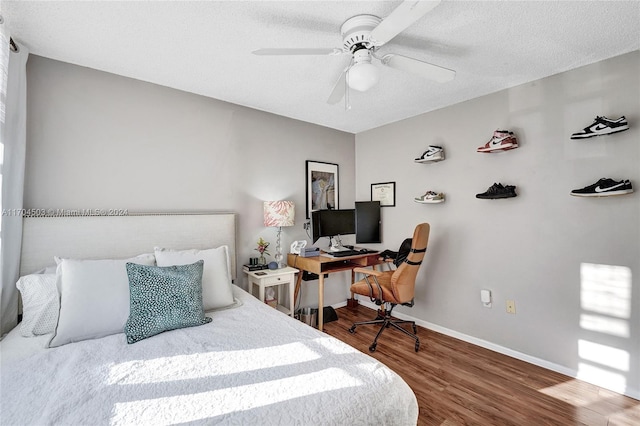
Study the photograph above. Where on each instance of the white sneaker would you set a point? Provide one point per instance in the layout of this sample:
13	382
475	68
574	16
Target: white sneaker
432	154
430	197
602	126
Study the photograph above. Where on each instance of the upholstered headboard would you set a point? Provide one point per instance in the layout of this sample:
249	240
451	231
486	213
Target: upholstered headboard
112	237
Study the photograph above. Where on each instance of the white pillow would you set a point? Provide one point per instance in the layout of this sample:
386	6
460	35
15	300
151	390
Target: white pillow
216	274
40	304
94	299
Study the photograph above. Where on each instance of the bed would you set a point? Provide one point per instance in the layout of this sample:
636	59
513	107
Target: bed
249	365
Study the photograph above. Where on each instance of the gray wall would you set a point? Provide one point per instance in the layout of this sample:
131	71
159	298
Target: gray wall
571	264
97	140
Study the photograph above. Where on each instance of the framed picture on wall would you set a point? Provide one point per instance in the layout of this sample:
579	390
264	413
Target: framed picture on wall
322	186
384	192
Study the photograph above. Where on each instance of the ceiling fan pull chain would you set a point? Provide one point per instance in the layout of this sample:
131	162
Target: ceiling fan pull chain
347	101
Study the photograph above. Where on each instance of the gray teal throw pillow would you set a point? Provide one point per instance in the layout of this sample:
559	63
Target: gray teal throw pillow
163	298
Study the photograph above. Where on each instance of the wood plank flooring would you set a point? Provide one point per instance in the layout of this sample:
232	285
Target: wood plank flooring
457	383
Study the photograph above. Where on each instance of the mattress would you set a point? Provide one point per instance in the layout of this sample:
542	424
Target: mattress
250	365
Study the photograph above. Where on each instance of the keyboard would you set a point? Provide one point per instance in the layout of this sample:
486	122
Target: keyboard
344	253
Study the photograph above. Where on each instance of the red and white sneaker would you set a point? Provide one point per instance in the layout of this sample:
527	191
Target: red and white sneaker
502	140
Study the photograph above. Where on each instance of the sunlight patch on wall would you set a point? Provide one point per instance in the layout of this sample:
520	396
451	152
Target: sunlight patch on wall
602	377
606	289
605	296
606	325
604	355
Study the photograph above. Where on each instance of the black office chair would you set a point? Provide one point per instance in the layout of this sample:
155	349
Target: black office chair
396	287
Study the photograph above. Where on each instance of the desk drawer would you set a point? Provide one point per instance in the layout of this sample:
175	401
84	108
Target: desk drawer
277	280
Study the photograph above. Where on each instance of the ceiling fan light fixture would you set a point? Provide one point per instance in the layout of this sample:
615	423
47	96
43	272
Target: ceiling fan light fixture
363	75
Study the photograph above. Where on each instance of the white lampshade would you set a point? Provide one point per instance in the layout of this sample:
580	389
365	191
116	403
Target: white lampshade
279	213
363	76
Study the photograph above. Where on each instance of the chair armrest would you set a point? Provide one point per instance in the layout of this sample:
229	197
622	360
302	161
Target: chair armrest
368	271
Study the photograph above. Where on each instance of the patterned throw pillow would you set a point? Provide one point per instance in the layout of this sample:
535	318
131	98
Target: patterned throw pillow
163	298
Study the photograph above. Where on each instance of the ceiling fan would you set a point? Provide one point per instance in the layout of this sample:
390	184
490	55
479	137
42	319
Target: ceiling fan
362	35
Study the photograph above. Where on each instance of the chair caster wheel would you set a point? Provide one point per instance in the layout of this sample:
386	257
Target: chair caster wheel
372	348
352	329
417	346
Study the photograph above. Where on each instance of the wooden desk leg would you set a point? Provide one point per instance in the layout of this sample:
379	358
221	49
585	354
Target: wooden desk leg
320	301
353	280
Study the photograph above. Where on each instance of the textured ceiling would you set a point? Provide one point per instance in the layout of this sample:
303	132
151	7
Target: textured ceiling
205	47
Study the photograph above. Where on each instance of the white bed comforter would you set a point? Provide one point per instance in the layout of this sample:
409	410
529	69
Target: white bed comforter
251	365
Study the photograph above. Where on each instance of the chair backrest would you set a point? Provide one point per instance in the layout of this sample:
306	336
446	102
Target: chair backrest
403	281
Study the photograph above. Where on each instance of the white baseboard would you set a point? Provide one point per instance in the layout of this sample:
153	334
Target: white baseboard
633	393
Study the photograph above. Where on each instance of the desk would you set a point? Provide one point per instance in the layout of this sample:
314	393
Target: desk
326	265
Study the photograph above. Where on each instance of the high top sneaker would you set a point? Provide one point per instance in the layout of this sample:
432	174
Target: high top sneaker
502	140
432	154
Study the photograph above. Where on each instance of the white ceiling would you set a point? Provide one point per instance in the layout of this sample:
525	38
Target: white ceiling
205	47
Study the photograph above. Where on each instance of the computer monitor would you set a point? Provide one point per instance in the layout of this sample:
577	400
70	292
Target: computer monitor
331	223
367	216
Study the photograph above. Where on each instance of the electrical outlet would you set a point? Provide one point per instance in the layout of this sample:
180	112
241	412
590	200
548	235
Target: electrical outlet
511	306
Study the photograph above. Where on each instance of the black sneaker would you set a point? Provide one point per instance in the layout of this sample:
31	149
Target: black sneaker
605	187
602	126
498	191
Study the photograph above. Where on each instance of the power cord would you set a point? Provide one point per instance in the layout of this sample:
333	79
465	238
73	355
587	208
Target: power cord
307	226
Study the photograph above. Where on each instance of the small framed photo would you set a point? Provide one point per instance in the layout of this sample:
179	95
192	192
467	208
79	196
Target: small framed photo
384	192
322	186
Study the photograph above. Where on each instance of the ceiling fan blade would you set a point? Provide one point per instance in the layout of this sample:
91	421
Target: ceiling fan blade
298	51
401	18
338	89
424	69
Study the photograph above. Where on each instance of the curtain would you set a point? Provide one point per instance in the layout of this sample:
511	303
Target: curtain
13	118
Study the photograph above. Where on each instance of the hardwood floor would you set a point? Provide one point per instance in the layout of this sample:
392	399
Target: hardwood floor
457	383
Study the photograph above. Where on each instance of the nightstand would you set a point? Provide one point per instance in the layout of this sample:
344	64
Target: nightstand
272	278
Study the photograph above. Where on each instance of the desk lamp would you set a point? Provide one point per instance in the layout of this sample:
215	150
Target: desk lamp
279	213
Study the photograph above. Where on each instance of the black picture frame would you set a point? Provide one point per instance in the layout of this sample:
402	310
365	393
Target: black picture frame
322	186
385	192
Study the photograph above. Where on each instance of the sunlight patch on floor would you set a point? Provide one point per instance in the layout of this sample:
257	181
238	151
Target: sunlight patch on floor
573	392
